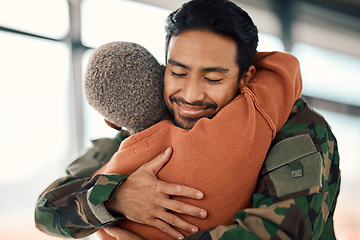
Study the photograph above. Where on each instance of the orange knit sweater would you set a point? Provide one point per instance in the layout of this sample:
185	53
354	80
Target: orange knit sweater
221	156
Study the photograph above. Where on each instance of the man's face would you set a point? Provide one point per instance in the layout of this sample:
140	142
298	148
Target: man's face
201	76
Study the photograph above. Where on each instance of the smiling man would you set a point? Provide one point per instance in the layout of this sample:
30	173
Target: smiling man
201	76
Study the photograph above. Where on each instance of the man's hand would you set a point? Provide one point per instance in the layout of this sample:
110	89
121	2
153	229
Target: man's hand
144	199
121	234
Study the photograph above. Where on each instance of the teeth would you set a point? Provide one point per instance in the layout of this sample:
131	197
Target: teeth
191	111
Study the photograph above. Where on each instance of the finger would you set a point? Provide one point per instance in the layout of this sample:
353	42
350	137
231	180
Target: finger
113	231
181	190
166	228
158	162
121	234
178	222
183	208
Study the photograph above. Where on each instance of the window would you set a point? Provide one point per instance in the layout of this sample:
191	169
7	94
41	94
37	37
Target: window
42	17
114	20
269	42
328	74
34	126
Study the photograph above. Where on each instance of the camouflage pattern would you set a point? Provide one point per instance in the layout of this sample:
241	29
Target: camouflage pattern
304	154
72	205
302	212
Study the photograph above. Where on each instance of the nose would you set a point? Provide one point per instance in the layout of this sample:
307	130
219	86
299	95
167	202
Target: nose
193	90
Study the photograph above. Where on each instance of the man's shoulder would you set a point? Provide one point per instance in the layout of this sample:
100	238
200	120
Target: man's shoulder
301	155
302	168
303	120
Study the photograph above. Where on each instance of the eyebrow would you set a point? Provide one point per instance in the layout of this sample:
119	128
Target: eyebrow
209	69
176	63
216	69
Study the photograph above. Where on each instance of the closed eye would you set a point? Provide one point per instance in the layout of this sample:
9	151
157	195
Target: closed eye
213	80
178	74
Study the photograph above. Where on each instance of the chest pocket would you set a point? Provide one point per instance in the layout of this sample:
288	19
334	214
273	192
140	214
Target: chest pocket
294	165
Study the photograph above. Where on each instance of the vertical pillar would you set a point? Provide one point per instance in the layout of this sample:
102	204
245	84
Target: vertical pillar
284	9
76	93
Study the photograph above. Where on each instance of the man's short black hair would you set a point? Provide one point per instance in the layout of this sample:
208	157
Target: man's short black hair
220	17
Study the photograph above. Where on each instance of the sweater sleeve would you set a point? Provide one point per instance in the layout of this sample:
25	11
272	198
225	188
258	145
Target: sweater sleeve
275	87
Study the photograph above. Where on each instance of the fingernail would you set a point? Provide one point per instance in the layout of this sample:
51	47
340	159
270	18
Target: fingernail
203	213
167	150
199	195
194	229
180	237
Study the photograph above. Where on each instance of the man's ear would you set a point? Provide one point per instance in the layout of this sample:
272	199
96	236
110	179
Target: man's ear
247	76
112	125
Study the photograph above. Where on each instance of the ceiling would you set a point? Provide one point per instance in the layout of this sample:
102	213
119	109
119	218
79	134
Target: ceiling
354	4
347	10
333	24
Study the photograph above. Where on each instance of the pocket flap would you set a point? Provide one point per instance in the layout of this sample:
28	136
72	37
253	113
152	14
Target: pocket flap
289	150
294	167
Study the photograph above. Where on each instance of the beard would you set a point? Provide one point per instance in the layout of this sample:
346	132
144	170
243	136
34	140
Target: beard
185	122
188	122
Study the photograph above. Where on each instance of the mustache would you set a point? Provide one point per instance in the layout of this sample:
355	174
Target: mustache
196	103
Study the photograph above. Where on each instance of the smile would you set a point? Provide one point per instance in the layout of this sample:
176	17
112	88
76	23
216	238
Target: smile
191	111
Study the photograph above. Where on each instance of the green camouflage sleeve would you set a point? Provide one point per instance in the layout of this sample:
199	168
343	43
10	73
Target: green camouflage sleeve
298	185
73	205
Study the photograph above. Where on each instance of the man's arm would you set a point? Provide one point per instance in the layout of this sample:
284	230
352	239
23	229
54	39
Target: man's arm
63	208
298	187
73	206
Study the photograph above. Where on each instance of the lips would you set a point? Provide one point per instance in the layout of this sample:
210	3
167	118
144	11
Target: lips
191	111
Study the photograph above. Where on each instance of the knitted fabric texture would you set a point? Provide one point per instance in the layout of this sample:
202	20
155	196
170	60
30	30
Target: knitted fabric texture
221	156
124	83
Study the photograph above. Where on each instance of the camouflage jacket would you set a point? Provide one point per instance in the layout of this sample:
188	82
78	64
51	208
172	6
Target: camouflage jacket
295	197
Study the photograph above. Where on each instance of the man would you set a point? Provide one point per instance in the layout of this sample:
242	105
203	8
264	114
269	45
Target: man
301	207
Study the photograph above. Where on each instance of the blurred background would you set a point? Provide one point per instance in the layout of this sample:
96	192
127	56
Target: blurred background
45	121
